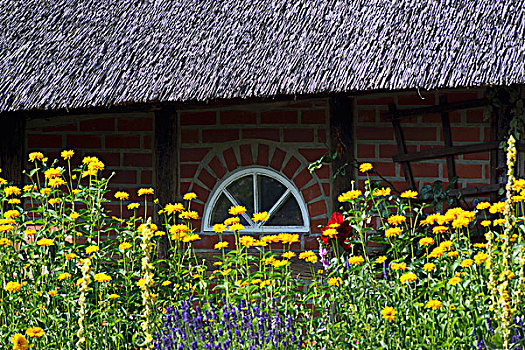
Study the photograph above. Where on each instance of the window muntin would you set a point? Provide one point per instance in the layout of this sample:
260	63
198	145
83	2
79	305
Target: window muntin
258	189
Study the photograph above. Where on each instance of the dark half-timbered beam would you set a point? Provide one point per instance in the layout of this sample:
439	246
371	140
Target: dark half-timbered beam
12	147
166	164
342	142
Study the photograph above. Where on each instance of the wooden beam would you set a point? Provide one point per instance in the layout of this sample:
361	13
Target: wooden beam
342	142
447	136
402	148
12	148
166	164
477	190
441	108
446	151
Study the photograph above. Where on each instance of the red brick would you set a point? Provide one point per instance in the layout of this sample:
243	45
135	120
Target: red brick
312	154
122	141
190	136
456	96
423	170
207	179
323	172
302	178
279	117
67	127
231	159
261	134
374	101
135	124
313	117
125	177
146	177
326	189
109	159
366	116
366	151
217	167
374	133
385	169
246	155
300	105
466	134
465	171
220	135
278	159
206	242
415	100
196	206
138	159
44	141
388	151
101	124
238	117
475	116
311	193
185	186
147	142
193	154
317	208
198	118
298	135
311	242
291	167
84	141
188	170
263	154
321	135
202	193
476	156
420	133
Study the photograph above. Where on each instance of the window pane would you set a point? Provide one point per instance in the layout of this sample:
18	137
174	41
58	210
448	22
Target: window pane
220	211
270	190
242	191
288	215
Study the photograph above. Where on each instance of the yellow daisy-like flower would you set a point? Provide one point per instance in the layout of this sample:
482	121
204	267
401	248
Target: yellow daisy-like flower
467	262
350	195
247	241
498	207
67	154
221	245
189	196
396	219
191	238
308	256
281	263
408	277
409	194
365	167
389	313
288	238
35	332
219	228
4	242
499	222
71	256
480	257
145	191
288	255
392	232
382	192
52	293
437	252
356	260
482	205
12	190
454	280
426	241
519	185
35	156
11	214
113	296
460	222
45	191
45	242
237	227
479	245
263	216
398	266
334	281
166	283
19	340
330	232
452	254
173	208
63	276
434	304
189	214
439	229
124	245
13	287
102	277
92	249
429	267
122	195
231	221
237	210
74	215
132	206
381	259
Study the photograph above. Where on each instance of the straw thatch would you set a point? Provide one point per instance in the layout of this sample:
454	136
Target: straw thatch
83	53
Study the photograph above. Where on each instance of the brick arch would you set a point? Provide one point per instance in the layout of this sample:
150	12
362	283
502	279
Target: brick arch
291	162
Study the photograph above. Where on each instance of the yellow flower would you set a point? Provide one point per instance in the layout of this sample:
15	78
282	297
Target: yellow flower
335	281
4	242
398	266
52	173
467	262
35	332
480	257
166	283
237	210
13	287
439	229
392	231
308	256
12	190
124	246
433	304
189	196
237	227
396	219
92	249
288	255
113	296
409	194
45	242
426	241
221	245
74	216
347	196
454	280
52	293
261	216
429	267
71	256
35	156
132	206
483	205
452	254
408	277
480	245
67	154
288	238
485	223
498	207
389	313
460	222
63	276
382	192
437	252
102	277
191	238
365	167
269	261
3	181
247	241
219	228
145	191
122	195
356	260
45	191
231	221
191	214
10	214
519	185
499	222
381	259
172	208
19	340
446	244
330	232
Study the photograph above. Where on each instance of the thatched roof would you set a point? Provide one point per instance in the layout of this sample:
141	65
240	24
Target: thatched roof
83	53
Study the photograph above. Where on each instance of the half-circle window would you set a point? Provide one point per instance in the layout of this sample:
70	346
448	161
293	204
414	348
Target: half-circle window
258	189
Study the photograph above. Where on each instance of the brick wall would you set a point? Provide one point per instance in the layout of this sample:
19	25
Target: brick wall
375	137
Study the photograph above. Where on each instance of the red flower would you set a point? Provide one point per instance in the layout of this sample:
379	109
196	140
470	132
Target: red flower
344	231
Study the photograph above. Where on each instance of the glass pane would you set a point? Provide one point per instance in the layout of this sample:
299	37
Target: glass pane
288	215
270	190
242	191
220	211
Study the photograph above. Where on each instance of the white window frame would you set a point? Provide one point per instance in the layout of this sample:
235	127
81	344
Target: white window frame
255	227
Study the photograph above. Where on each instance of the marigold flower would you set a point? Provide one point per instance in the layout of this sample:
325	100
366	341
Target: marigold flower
221	245
389	313
263	216
35	332
409	194
482	205
396	219
356	260
433	304
398	266
408	277
122	195
173	208
288	255
350	195
454	280
392	232
439	229
12	190
467	262
145	191
382	192
63	276
45	242
102	277
334	281
13	287
429	267
124	246
480	257
426	241
498	207
237	210
381	259
331	233
35	156
365	167
189	196
19	341
132	206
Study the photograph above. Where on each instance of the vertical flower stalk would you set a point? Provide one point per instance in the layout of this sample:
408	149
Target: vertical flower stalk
84	288
146	234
